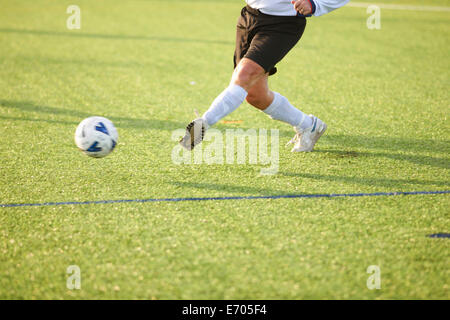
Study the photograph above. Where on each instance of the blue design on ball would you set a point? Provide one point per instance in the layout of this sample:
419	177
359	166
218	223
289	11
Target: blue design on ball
94	148
101	127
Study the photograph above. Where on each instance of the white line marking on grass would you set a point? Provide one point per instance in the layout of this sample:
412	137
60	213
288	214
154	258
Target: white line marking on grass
399	7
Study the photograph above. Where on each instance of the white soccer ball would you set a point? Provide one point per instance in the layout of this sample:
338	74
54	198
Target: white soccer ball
96	136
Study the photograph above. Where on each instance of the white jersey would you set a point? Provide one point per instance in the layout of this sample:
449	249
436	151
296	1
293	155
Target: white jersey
286	8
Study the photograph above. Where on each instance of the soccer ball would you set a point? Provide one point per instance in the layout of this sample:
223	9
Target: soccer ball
96	136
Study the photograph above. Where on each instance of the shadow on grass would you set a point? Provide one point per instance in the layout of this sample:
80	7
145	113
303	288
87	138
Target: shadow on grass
401	149
386	183
118	121
87	62
382	182
112	36
413	158
232	189
346	141
387	143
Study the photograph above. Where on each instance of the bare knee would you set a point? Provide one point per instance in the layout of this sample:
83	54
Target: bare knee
247	74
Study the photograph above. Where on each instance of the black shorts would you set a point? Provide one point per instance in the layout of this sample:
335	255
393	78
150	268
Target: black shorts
266	39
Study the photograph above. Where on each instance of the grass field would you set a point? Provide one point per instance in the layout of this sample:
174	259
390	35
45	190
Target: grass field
146	65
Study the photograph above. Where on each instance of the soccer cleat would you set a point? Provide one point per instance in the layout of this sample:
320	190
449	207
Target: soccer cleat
305	139
195	132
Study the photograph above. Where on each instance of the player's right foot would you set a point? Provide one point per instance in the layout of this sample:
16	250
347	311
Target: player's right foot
305	139
195	132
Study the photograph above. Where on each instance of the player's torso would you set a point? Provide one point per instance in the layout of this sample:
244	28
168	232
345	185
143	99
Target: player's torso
273	7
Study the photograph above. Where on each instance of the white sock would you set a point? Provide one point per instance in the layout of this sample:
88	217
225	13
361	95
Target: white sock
228	101
282	110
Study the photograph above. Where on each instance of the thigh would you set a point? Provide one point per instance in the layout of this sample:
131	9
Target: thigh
274	39
243	36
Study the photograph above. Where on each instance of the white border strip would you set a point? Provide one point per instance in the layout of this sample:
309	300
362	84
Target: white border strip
399	7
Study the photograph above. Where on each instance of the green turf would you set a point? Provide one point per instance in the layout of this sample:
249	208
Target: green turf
384	94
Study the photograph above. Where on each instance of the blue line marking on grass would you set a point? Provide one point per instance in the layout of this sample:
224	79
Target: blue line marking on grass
440	235
293	196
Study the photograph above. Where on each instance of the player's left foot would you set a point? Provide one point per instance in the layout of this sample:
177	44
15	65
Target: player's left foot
195	132
305	139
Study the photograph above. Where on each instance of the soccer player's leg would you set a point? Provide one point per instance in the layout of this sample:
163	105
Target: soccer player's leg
276	37
246	74
308	128
259	94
